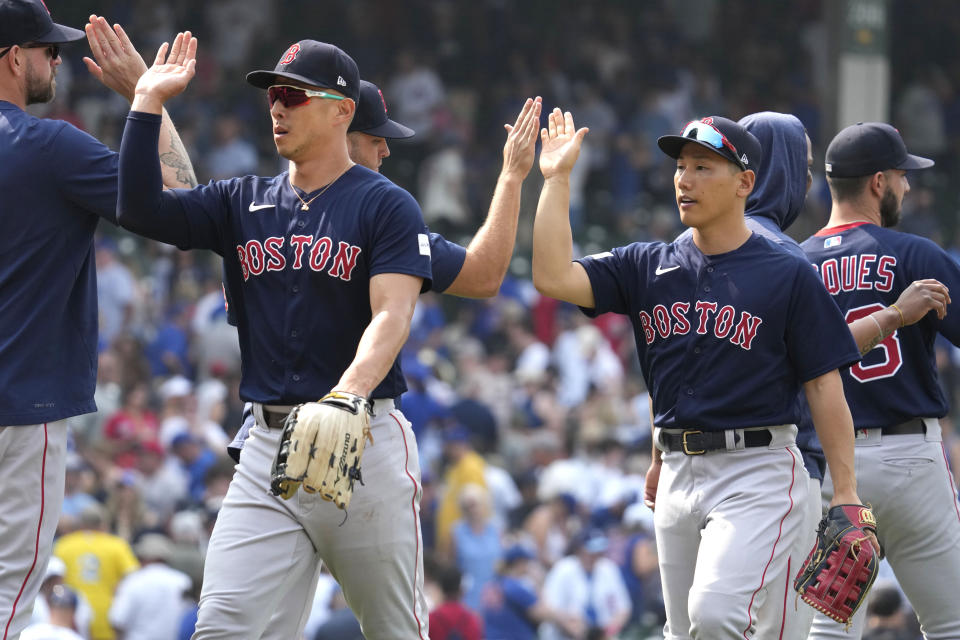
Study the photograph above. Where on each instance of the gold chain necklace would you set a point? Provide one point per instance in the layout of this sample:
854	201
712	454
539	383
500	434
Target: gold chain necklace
305	204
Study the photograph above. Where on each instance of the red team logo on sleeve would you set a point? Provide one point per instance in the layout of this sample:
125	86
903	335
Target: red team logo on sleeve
291	54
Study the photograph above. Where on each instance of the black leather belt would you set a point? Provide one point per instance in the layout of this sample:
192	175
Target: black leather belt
909	427
694	442
274	419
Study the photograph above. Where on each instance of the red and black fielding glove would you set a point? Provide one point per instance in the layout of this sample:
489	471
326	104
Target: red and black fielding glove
843	564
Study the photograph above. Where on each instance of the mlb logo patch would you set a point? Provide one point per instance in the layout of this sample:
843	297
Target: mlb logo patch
423	241
833	241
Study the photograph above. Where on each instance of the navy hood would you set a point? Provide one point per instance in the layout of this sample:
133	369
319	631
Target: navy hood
781	186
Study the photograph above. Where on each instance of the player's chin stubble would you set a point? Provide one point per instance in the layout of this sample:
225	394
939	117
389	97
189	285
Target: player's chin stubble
40	91
889	209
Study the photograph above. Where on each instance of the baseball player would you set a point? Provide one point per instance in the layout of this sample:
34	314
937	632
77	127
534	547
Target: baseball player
894	393
722	323
324	264
775	202
476	271
57	183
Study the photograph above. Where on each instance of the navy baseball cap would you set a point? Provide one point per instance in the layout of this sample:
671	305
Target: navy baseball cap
63	597
720	135
316	63
867	147
29	21
517	552
371	117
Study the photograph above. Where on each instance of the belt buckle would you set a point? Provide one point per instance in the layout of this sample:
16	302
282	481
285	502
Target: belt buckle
686	448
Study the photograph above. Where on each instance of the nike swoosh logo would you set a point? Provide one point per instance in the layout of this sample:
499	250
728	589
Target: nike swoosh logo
257	207
660	270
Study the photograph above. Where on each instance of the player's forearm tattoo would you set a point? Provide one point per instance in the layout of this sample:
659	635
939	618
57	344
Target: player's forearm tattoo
177	158
874	342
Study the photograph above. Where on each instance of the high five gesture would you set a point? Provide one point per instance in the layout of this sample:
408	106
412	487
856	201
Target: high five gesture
166	79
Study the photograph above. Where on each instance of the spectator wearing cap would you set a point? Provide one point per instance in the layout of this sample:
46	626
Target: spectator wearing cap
551	525
149	603
465	466
475	541
453	620
196	459
63	606
512	609
588	585
75	495
42	612
178	409
96	562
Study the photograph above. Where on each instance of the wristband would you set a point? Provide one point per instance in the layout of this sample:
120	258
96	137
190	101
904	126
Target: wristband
902	321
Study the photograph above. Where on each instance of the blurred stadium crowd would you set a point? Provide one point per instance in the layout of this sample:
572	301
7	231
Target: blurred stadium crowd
532	420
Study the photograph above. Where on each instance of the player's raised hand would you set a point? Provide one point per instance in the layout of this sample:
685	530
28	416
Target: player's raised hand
169	75
518	152
117	65
561	144
921	297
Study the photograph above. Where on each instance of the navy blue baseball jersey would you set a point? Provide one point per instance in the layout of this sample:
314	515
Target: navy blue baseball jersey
298	279
865	268
57	182
773	205
725	341
446	260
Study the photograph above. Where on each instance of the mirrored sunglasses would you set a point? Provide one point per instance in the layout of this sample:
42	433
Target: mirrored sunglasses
290	96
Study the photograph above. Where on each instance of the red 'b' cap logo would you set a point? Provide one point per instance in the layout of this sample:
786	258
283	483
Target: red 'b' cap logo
382	100
290	54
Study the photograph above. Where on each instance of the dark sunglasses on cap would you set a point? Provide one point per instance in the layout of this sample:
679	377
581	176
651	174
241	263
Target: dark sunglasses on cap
52	49
290	96
703	132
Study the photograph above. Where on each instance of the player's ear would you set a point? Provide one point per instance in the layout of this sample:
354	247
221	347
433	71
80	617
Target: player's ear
877	183
346	109
745	181
14	60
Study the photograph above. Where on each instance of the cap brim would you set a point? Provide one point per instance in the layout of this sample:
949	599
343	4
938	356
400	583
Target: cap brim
60	34
390	130
915	162
266	79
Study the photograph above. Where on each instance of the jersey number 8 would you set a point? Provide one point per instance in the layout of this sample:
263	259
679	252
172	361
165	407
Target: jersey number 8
892	360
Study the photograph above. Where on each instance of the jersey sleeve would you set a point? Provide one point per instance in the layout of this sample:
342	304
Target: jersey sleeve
187	218
400	240
817	337
927	260
446	261
85	170
606	273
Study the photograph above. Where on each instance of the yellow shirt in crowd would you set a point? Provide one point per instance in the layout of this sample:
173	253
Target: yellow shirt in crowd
96	563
